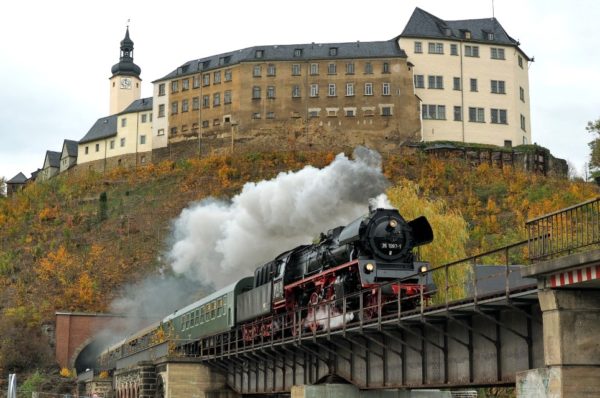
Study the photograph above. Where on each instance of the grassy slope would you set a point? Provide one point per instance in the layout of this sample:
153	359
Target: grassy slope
62	248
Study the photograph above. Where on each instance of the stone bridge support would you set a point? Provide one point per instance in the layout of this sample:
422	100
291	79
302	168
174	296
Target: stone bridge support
571	321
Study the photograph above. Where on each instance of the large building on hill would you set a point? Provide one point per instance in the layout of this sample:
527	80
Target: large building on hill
124	137
338	90
472	79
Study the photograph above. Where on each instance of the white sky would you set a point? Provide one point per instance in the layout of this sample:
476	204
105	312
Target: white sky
55	56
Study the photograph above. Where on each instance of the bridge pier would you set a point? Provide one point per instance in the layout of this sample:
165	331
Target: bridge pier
571	321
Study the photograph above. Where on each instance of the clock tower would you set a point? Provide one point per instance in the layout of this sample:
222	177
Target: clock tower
125	82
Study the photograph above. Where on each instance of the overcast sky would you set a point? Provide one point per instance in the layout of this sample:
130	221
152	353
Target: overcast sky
55	56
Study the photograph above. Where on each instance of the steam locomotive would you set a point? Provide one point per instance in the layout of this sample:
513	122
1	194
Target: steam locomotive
368	262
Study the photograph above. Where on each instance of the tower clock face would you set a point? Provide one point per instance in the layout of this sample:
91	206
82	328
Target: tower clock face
125	82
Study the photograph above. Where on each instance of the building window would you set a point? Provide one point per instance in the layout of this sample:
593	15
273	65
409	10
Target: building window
456	83
174	108
271	70
523	123
124	122
386	67
196	81
256	115
473	84
350	68
522	94
216	122
333	51
436	48
433	112
205	79
271	92
87	150
465	34
256	71
123	140
498	116
255	92
160	132
498	87
184	105
312	113
368	88
216	99
195	103
205	101
453	49
349	89
161	110
143	159
418	47
331	90
386	89
386	111
331	69
497	53
97	147
174	86
314	90
476	115
471	51
520	61
297	52
205	123
227	97
142	139
296	91
419	81
228	75
314	69
144	118
112	144
161	89
217	77
368	68
458	113
185	84
490	36
435	82
259	53
270	115
295	69
350	112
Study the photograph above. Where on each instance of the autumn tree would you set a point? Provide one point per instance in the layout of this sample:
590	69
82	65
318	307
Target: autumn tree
2	186
594	129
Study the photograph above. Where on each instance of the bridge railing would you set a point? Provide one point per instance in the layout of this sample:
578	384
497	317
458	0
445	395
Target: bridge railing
486	275
564	231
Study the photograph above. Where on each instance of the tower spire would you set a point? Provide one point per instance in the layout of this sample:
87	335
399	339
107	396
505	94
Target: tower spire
126	65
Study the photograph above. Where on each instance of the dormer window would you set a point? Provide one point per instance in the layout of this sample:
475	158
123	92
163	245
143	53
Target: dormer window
466	34
447	32
205	64
259	53
333	51
490	36
298	52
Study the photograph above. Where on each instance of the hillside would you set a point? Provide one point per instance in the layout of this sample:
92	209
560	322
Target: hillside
72	244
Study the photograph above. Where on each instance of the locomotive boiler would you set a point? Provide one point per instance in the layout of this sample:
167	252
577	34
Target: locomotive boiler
365	255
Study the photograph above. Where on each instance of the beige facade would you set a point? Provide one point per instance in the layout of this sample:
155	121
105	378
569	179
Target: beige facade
258	96
472	79
119	138
123	91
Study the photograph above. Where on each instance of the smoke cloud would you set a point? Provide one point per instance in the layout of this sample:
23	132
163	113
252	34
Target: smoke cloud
218	242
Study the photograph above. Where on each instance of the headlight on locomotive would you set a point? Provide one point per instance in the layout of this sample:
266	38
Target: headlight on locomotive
369	267
423	269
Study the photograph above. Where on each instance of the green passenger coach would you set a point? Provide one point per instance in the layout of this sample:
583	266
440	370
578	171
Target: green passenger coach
212	314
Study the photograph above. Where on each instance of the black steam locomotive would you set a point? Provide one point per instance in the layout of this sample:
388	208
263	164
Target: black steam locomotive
370	251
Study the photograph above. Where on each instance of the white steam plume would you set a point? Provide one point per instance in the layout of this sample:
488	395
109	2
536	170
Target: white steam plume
218	243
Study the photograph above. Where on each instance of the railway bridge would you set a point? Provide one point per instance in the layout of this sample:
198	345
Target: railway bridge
533	326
